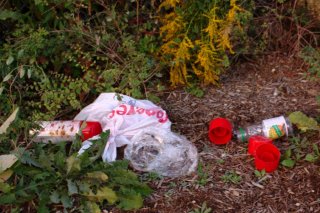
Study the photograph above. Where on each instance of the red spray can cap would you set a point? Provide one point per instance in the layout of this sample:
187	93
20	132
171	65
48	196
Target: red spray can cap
220	131
256	141
267	157
91	129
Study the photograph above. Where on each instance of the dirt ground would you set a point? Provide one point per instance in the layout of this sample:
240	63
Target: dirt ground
273	85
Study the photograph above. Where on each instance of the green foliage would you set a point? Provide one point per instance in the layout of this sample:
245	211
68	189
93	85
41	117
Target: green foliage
150	176
314	156
300	149
287	159
50	175
260	174
203	209
311	56
303	122
231	177
195	90
203	176
55	54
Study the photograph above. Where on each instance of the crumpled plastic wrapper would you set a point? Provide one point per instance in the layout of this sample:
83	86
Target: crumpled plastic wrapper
163	152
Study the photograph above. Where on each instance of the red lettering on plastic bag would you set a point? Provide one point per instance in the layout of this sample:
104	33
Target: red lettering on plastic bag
150	112
131	111
122	112
159	114
111	114
163	120
140	110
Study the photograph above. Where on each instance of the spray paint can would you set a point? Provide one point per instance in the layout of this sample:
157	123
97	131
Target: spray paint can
58	131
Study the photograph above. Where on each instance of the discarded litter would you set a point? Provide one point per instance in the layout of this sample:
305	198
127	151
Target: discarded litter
58	131
256	141
129	120
220	131
163	152
260	136
267	157
272	128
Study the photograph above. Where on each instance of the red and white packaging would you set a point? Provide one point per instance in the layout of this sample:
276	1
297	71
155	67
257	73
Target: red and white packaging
124	117
58	131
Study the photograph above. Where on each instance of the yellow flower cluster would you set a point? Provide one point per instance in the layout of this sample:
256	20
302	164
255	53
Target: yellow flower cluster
172	24
208	50
169	3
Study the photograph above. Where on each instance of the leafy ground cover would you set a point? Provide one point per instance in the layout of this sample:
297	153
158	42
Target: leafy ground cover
57	56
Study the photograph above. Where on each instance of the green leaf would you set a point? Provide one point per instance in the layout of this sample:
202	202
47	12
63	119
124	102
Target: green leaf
25	157
55	197
73	164
6	161
303	122
97	175
29	73
104	193
66	201
44	199
311	158
72	187
130	202
44	160
6	14
42	208
92	207
7	77
8	199
288	163
9	60
20	53
287	154
10	119
4	187
1	90
257	173
84	187
316	149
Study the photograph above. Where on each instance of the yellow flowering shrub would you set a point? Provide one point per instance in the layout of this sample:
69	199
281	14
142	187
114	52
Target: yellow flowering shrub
196	38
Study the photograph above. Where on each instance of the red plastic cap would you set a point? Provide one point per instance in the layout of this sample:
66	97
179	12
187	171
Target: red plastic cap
92	128
267	157
256	141
220	131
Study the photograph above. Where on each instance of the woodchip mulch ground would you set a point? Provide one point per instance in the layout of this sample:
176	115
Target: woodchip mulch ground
273	85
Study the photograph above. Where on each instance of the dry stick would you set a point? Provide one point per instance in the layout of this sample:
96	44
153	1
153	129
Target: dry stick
3	3
138	12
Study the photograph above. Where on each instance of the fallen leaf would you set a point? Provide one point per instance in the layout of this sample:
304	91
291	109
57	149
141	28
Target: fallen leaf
73	164
97	175
303	122
4	176
104	193
10	119
6	161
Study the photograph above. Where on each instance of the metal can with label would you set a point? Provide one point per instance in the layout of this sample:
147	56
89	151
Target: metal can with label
58	131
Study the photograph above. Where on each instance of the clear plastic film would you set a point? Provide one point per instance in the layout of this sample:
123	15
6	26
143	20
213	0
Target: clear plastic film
162	151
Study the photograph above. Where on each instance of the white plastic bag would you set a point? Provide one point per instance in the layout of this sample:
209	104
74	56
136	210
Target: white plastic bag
124	118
